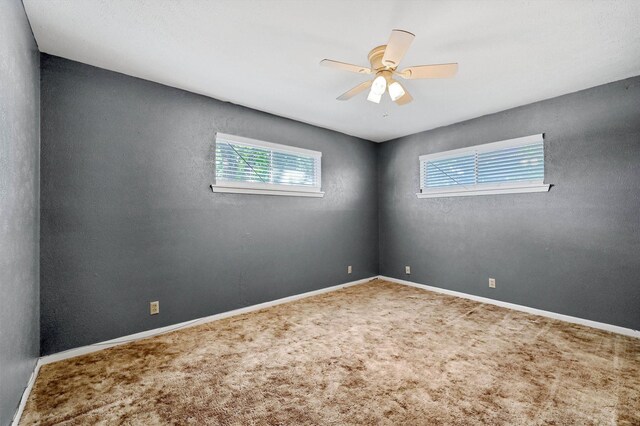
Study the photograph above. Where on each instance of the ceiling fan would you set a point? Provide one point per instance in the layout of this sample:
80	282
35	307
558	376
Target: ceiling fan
384	63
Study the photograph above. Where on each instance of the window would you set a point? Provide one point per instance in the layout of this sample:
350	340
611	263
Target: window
515	165
250	166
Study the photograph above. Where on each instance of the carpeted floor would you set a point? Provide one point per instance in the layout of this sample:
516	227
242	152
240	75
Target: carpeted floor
377	353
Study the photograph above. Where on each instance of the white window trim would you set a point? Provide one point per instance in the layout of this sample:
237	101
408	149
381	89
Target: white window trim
489	190
483	189
235	187
258	191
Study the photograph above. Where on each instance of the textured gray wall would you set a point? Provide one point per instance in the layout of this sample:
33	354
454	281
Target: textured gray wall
19	204
128	216
574	250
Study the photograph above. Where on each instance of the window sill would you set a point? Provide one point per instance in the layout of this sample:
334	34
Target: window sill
254	191
511	189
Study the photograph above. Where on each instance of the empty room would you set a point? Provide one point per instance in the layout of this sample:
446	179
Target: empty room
331	212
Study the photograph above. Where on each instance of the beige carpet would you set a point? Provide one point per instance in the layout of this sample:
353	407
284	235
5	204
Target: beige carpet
377	353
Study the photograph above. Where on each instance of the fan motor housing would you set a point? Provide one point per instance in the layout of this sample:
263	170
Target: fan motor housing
375	58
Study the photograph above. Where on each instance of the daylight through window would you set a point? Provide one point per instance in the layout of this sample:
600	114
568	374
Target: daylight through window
515	165
251	166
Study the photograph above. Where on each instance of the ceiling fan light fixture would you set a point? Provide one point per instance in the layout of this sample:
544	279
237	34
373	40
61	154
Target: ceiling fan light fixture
379	85
374	97
396	91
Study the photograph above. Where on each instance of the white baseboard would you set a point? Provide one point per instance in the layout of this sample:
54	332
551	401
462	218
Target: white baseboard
25	394
156	331
575	320
149	333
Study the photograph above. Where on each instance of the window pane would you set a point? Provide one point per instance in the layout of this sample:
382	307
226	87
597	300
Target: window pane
241	163
457	171
255	164
291	169
523	163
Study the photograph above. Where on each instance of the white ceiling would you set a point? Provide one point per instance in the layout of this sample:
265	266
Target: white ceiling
264	54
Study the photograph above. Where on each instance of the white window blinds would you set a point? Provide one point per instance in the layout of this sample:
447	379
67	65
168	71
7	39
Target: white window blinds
252	164
515	165
459	170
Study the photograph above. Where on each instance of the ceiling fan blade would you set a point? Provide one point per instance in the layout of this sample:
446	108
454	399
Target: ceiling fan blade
429	71
406	98
397	46
344	66
351	93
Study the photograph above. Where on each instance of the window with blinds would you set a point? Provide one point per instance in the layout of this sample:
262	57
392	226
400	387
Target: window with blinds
251	166
515	165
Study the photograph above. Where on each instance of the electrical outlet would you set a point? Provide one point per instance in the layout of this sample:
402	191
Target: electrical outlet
349	269
154	308
407	270
492	282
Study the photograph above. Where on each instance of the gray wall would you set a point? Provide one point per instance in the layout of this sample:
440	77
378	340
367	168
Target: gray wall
19	204
574	250
128	216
